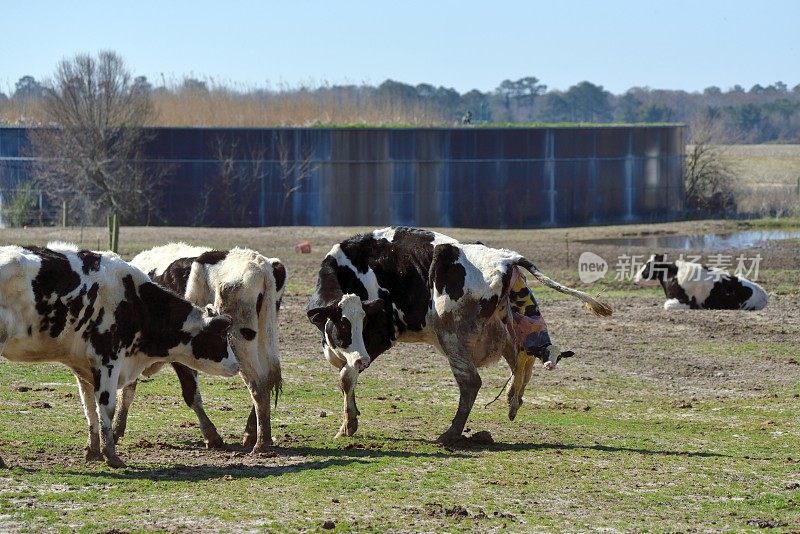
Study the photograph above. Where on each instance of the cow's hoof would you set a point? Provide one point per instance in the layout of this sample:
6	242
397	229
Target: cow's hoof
92	455
249	439
449	437
114	461
348	429
263	448
118	435
215	442
513	408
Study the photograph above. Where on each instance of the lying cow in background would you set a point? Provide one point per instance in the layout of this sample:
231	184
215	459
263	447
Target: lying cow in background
694	286
244	285
106	321
410	285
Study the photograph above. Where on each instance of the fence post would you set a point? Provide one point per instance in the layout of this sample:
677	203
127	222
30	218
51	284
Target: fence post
113	232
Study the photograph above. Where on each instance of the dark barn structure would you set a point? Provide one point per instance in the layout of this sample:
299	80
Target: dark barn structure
462	177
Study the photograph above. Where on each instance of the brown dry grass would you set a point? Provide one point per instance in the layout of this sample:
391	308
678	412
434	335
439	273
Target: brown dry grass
219	107
768	177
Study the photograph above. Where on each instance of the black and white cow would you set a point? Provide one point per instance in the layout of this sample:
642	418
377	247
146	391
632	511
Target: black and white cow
694	286
106	321
244	285
409	285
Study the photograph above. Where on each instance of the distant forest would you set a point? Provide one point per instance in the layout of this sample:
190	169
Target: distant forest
760	114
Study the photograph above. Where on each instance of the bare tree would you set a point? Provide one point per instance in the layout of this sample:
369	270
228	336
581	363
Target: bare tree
295	169
241	167
91	154
708	178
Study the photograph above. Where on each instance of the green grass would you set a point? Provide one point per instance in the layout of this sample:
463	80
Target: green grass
612	452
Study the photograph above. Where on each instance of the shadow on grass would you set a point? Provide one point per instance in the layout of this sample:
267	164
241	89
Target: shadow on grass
196	473
502	447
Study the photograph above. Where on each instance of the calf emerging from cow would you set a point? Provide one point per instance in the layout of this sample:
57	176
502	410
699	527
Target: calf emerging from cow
248	287
106	321
694	286
411	285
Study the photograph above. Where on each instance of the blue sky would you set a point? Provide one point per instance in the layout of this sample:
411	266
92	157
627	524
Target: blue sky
467	44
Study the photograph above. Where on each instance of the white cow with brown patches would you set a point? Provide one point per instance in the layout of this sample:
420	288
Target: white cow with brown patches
248	287
411	285
105	320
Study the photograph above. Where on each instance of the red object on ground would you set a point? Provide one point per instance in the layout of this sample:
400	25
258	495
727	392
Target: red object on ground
303	247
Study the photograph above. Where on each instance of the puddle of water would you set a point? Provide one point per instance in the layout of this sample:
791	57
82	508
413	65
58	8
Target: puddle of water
736	240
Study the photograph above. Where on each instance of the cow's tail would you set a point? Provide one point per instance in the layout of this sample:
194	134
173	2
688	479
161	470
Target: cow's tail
593	305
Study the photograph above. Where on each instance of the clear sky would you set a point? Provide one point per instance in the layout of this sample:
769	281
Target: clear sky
688	44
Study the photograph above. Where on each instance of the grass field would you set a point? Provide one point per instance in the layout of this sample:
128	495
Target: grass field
768	177
662	422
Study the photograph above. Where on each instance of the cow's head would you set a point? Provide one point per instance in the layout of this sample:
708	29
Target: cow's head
551	355
248	288
343	327
173	327
654	271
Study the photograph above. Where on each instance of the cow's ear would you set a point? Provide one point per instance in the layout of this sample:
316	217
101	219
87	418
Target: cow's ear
566	354
210	311
320	316
220	324
374	306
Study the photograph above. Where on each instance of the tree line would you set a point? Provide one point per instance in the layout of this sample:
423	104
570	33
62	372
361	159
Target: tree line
762	113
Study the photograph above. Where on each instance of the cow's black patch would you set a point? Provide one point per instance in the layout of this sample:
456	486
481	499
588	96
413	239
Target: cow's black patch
96	378
54	281
188	380
90	261
212	257
211	343
488	306
30	330
176	275
278	305
248	333
349	282
110	369
448	275
160	315
340	332
104	398
673	290
259	302
279	272
728	293
88	311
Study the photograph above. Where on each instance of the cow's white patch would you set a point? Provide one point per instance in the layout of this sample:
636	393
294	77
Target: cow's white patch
758	300
675	304
697	281
385	233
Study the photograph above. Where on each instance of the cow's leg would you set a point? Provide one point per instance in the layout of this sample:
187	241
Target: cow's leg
348	378
258	432
106	402
468	380
86	388
124	399
190	387
250	429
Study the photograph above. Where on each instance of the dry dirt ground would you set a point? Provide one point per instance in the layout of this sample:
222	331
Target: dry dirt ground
665	421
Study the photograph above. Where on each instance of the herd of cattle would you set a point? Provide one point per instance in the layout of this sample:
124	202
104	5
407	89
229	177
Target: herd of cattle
112	321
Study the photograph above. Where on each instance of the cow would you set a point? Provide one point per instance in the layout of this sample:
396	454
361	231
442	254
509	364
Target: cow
694	286
403	284
105	320
244	285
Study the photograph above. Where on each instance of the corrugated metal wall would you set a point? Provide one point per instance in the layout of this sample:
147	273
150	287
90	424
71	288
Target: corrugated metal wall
466	177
